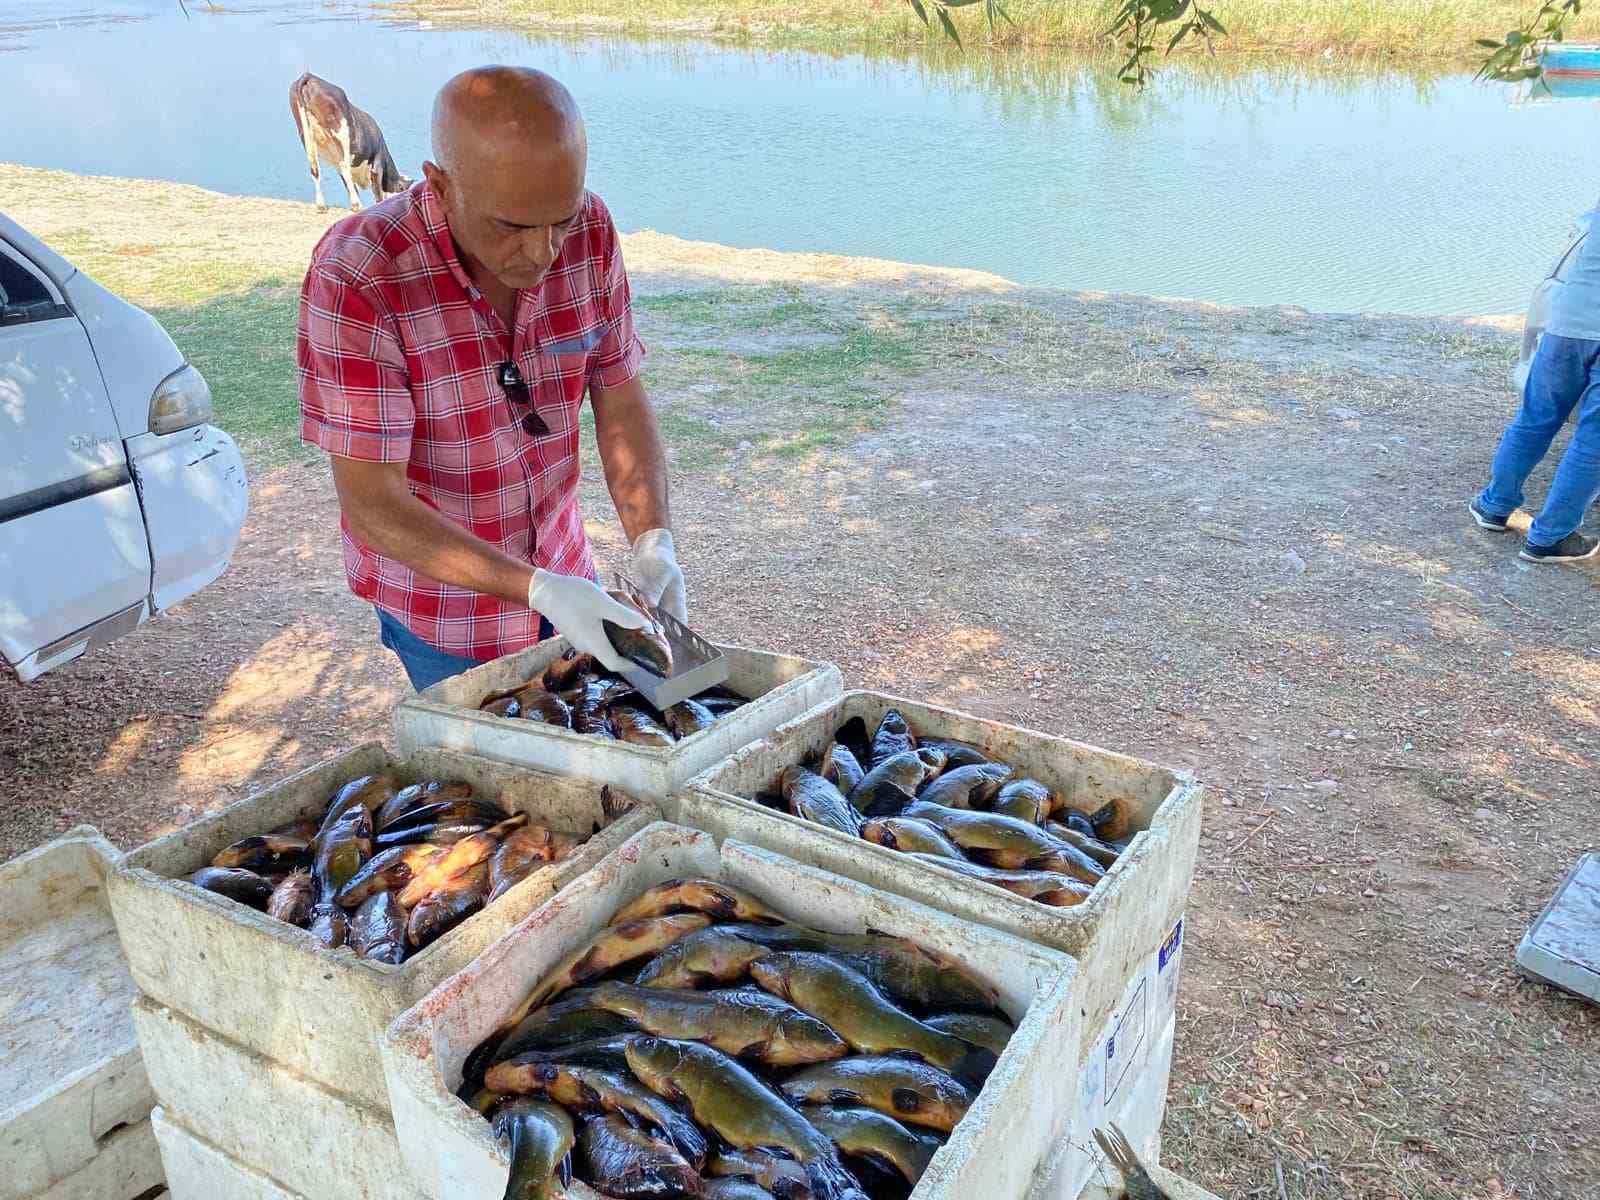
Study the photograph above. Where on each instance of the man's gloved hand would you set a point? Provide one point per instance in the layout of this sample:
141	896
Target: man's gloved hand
656	571
576	606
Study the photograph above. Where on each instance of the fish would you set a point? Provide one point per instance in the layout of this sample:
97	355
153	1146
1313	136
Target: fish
568	1022
388	870
811	796
1047	887
607	1053
444	812
909	835
371	792
841	768
541	1138
1025	799
1007	842
415	795
1137	1183
587	704
546	707
646	647
440	833
853	736
710	956
1102	853
853	1008
595	1089
1113	821
265	853
639	727
502	706
342	849
564	672
236	883
957	754
910	1091
720	900
992	1033
777	1176
523	852
467	852
904	771
329	925
740	1189
718	706
291	900
1065	859
447	905
868	1133
966	787
910	974
729	1101
378	930
1074	820
688	717
743	1023
630	1164
893	737
610	949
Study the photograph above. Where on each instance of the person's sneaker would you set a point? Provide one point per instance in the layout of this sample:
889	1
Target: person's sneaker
1485	519
1572	548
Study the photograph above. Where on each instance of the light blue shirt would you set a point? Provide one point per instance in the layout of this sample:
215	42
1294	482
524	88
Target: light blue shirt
1575	309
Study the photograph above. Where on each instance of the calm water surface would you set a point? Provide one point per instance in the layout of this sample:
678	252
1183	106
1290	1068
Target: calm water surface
1332	190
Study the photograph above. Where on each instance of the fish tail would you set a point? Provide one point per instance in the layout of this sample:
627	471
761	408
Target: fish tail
1116	1147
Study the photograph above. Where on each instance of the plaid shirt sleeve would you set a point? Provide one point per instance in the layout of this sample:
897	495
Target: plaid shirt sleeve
617	357
355	391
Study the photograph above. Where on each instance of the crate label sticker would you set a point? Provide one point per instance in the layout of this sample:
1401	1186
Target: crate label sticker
1126	1040
1171	946
1169	965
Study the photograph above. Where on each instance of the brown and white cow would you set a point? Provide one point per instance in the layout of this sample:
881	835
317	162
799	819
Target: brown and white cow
332	128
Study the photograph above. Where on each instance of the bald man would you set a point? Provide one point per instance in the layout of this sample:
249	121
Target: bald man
447	339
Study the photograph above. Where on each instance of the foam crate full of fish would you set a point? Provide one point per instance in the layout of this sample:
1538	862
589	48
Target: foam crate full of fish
1076	848
546	707
299	921
690	1020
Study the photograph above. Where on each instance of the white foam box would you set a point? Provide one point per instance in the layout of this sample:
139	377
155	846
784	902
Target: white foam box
197	1170
1111	934
780	686
70	1075
312	1140
1007	1137
273	987
128	1166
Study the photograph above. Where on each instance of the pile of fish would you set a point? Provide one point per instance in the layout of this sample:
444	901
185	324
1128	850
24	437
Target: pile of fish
745	1059
948	802
386	869
576	693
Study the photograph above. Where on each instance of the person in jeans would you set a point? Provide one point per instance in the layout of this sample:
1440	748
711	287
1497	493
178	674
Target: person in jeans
1564	382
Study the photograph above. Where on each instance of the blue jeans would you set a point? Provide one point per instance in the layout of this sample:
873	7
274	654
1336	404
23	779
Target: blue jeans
425	665
1565	377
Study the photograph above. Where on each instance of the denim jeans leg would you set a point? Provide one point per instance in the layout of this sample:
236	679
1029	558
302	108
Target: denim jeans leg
425	665
1559	376
1577	480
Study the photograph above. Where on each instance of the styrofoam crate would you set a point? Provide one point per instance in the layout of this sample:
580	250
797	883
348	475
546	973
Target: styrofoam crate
780	687
126	1168
1111	934
309	1138
271	986
197	1170
1006	1138
69	1063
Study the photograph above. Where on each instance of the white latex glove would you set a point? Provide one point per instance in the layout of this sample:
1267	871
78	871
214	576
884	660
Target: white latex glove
656	571
575	607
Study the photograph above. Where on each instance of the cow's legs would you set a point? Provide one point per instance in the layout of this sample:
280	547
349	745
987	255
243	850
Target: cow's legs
349	184
309	141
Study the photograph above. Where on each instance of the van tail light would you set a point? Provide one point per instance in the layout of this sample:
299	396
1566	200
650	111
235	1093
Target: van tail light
182	400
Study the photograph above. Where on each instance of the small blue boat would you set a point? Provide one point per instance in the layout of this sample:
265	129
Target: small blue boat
1564	61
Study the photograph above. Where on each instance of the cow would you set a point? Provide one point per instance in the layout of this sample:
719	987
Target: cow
332	128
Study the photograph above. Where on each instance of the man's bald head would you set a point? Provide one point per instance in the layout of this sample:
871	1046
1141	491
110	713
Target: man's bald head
510	153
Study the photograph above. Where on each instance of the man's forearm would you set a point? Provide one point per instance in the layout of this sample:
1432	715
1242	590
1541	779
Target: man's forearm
631	452
399	526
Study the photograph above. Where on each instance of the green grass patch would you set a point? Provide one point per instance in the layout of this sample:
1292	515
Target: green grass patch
740	309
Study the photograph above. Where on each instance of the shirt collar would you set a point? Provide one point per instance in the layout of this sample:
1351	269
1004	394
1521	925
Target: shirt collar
438	229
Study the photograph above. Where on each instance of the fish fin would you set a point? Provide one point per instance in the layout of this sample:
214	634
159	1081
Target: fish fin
565	1170
905	1100
843	1096
975	1067
1116	1147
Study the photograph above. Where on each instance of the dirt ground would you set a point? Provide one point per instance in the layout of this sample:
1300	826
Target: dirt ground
1232	541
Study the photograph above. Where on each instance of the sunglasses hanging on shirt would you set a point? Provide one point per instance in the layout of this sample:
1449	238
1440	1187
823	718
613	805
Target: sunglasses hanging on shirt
516	390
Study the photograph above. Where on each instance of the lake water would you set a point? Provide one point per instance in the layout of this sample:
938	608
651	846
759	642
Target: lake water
1313	186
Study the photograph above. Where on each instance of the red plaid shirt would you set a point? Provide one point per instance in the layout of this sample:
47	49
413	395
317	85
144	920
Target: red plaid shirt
398	356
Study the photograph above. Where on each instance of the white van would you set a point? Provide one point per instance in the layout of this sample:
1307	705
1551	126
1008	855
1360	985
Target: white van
117	498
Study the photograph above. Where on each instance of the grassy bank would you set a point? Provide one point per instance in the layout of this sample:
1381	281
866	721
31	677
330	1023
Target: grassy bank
1443	29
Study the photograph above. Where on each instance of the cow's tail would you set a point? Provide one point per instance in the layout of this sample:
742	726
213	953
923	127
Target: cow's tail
297	106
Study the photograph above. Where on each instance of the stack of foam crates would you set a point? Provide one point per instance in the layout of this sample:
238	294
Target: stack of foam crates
261	1044
74	1101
